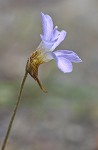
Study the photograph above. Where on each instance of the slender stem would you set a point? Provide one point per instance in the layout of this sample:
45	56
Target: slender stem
14	112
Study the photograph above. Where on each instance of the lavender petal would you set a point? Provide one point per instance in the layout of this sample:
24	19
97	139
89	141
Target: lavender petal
47	44
70	55
61	37
63	64
47	24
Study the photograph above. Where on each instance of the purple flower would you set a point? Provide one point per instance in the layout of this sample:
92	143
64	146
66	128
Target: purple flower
51	38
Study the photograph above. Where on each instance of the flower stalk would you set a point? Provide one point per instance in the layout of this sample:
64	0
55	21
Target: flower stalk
32	69
14	112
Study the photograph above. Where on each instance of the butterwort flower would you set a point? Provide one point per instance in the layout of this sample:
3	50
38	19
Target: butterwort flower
50	39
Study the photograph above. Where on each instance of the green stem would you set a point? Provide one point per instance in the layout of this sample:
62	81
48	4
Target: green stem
14	112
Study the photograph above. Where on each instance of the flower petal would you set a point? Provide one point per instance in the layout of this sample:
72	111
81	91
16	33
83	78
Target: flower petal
61	37
70	55
47	24
63	64
55	34
47	44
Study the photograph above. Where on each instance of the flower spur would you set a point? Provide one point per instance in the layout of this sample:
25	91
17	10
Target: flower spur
51	38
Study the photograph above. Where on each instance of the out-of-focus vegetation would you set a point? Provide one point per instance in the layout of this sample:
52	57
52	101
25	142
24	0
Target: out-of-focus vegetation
67	116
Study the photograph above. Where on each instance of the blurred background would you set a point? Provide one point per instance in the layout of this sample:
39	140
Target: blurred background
67	116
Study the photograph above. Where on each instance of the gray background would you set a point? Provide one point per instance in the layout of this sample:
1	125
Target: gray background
66	117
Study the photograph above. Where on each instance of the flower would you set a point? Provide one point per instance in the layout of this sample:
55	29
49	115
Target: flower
51	38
